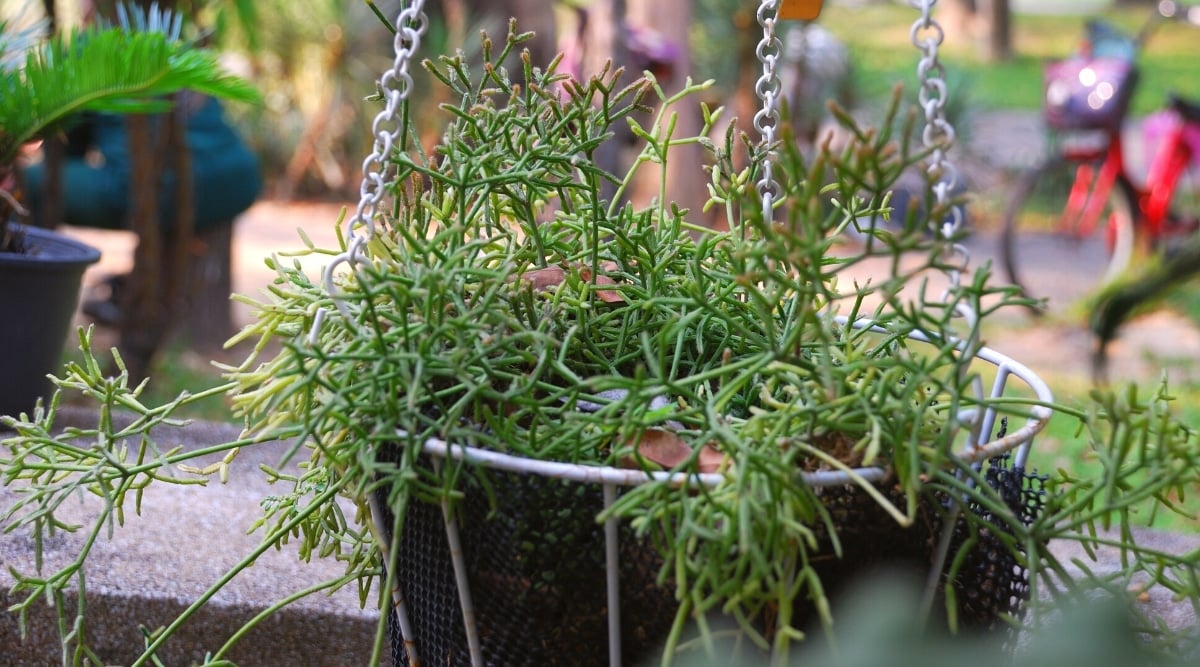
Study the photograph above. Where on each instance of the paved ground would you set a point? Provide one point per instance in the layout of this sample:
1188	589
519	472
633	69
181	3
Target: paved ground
165	556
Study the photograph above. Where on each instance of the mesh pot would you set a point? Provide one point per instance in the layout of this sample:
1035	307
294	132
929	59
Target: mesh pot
521	573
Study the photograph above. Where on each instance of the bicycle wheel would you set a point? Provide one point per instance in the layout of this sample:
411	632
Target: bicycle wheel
1057	257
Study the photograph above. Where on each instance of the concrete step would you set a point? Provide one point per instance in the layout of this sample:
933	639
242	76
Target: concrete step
185	539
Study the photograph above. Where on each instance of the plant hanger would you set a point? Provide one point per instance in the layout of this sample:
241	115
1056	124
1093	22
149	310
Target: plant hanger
396	85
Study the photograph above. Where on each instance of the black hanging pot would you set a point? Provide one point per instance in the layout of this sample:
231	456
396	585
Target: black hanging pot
39	291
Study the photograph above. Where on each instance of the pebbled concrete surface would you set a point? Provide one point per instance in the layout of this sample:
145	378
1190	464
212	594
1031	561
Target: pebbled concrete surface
155	565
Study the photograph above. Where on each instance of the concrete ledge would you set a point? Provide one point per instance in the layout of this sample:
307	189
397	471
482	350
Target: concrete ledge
154	566
1157	602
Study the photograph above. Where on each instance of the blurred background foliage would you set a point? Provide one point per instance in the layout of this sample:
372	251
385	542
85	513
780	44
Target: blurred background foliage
316	63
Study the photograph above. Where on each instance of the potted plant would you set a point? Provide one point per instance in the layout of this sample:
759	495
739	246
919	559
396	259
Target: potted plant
44	82
505	328
509	309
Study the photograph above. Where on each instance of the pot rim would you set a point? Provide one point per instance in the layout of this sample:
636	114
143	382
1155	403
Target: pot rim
49	249
1020	441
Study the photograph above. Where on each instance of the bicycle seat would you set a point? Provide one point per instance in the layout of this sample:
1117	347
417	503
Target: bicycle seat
1188	109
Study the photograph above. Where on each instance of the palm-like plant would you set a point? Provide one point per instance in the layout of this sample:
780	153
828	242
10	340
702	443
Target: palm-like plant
127	68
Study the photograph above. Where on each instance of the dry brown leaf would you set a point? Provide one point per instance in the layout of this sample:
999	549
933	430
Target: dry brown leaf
552	276
711	459
663	447
605	295
668	450
544	279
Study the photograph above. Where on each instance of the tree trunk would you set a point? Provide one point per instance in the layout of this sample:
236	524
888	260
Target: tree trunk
685	173
180	237
142	318
53	152
156	145
603	45
999	33
987	22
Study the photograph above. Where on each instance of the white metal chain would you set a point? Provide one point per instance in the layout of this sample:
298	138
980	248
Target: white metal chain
927	35
769	89
395	85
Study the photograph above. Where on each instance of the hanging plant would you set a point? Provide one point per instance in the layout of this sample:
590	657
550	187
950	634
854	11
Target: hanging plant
503	304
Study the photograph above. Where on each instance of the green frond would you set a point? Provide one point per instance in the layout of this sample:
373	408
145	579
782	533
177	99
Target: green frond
104	69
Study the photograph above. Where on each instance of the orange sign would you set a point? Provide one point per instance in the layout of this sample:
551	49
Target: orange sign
803	10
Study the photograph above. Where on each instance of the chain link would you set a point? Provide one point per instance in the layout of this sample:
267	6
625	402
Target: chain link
926	34
768	88
938	136
395	85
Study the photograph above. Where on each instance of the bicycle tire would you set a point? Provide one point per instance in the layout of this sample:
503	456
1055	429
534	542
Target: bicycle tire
1057	265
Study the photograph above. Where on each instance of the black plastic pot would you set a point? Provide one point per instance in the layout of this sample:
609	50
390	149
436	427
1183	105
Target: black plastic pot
39	291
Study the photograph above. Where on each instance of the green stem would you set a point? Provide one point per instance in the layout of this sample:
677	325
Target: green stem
331	584
270	542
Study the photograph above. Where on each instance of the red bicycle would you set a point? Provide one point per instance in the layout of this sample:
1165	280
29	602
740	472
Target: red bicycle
1084	199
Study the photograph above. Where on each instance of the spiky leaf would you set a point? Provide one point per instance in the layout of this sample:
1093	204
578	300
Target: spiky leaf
104	69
